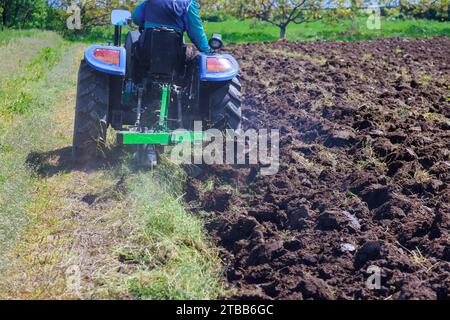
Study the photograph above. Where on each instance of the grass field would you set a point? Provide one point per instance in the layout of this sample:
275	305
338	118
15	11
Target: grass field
251	31
7	35
112	232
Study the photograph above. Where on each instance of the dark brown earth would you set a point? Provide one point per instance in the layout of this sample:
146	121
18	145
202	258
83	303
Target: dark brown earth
364	177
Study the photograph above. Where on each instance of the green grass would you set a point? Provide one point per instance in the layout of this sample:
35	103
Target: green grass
173	257
101	34
234	31
26	91
182	263
9	34
15	94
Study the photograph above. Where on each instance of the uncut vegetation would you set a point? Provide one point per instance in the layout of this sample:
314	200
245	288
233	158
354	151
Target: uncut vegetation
21	94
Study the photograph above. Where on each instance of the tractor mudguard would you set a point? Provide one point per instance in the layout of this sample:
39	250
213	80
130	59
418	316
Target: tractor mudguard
218	67
107	59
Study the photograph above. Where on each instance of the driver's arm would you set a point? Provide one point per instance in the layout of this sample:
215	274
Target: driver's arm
138	15
195	28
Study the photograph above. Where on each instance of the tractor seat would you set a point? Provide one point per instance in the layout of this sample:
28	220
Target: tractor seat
162	52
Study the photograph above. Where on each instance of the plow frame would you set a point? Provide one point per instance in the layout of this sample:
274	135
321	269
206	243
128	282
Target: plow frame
159	138
161	135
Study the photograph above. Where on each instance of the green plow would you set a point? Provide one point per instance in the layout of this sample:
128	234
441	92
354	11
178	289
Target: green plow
161	135
159	138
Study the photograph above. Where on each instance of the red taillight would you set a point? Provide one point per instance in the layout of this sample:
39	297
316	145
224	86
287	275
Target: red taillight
214	64
108	56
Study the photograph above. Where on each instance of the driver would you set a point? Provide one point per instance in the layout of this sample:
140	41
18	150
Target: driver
180	15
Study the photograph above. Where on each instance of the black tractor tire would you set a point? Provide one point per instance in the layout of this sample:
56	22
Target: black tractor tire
131	46
225	106
91	115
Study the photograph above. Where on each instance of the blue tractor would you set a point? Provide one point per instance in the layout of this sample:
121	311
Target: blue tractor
147	91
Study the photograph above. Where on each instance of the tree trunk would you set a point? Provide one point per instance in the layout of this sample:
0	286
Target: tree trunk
4	18
283	32
354	9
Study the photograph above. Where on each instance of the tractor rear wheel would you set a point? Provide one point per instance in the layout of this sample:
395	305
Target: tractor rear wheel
91	115
225	106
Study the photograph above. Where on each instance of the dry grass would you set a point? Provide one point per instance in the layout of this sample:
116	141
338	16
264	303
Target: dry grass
419	259
370	159
421	175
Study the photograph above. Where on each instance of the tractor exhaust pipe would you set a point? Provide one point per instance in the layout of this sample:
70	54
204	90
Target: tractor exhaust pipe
117	36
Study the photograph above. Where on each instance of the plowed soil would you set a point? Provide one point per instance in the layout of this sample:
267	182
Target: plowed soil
364	177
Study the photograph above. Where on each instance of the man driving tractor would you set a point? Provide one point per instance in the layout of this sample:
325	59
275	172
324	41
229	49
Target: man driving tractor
155	86
180	15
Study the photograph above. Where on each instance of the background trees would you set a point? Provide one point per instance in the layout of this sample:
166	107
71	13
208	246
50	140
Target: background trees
426	9
52	14
22	13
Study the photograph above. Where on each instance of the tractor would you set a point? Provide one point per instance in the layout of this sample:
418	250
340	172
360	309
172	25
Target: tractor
150	94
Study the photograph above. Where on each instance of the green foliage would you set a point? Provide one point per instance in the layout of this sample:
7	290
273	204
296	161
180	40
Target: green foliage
215	17
24	13
93	14
421	9
52	15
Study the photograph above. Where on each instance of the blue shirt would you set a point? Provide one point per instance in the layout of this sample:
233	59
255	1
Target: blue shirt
182	19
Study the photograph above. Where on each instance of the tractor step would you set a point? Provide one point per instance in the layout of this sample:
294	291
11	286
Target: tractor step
159	138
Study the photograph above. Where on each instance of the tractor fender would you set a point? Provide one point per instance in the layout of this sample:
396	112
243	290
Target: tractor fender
225	75
105	67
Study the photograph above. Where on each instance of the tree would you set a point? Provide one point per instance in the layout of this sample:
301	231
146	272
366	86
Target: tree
355	6
97	13
280	13
53	13
18	13
352	9
425	9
